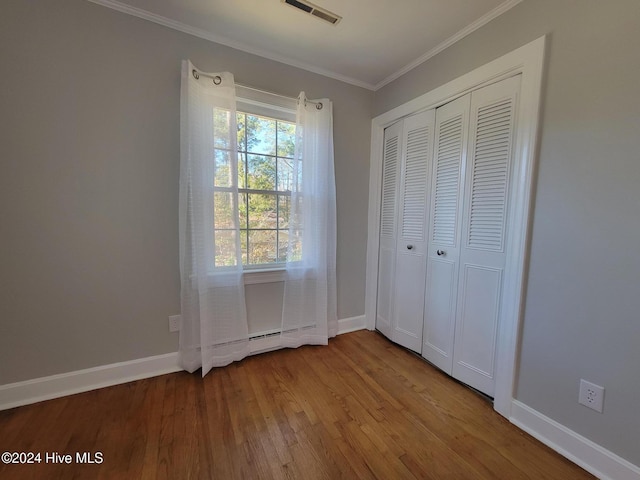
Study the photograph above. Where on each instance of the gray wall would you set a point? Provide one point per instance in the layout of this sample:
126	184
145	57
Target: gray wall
89	152
89	123
582	315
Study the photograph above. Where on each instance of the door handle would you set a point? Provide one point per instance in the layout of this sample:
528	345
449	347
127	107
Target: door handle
409	247
441	252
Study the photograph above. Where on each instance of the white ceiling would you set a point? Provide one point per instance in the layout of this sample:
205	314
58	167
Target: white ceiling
375	42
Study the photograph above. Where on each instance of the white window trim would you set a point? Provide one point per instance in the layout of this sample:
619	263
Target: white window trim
267	104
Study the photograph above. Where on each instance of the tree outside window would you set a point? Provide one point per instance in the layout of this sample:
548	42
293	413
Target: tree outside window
265	166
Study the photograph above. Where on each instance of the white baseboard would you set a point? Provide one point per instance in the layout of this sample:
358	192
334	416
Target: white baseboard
592	457
55	386
351	324
45	388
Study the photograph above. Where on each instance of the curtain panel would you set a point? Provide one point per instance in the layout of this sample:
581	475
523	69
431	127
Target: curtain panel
214	329
309	313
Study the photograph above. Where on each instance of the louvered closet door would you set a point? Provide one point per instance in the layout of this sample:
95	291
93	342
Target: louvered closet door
411	246
448	172
482	253
392	149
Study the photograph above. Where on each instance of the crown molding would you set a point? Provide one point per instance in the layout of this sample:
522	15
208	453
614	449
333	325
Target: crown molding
206	35
472	27
200	33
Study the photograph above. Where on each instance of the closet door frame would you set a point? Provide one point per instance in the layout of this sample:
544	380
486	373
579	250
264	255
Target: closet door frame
528	61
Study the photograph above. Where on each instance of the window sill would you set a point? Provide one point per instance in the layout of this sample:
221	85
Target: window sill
264	275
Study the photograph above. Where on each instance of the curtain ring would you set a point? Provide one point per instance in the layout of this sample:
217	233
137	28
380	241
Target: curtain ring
319	106
217	80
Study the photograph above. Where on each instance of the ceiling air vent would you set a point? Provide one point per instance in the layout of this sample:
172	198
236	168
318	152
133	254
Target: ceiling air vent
314	10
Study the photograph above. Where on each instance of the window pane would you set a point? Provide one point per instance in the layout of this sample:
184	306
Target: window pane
262	211
221	120
286	139
242	209
261	172
296	246
241	125
242	170
297	215
288	179
262	246
285	174
243	247
222	168
225	248
223	210
283	242
261	135
284	208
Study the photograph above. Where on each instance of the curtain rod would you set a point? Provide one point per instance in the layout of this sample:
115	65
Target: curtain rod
217	80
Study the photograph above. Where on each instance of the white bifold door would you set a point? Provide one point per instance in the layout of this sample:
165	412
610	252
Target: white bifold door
445	190
408	148
474	138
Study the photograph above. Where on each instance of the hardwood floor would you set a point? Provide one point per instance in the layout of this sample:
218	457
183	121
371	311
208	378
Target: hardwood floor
360	408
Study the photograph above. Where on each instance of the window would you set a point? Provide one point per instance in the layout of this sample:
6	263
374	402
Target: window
265	171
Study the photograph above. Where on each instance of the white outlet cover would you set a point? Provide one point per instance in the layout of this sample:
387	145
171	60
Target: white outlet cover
174	323
591	395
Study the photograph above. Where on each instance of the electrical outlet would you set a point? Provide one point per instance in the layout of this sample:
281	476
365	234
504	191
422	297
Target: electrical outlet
591	395
174	323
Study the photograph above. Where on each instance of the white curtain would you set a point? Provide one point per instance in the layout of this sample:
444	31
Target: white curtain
214	328
309	314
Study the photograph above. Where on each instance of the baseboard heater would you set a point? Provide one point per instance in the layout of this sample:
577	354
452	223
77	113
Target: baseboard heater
276	332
